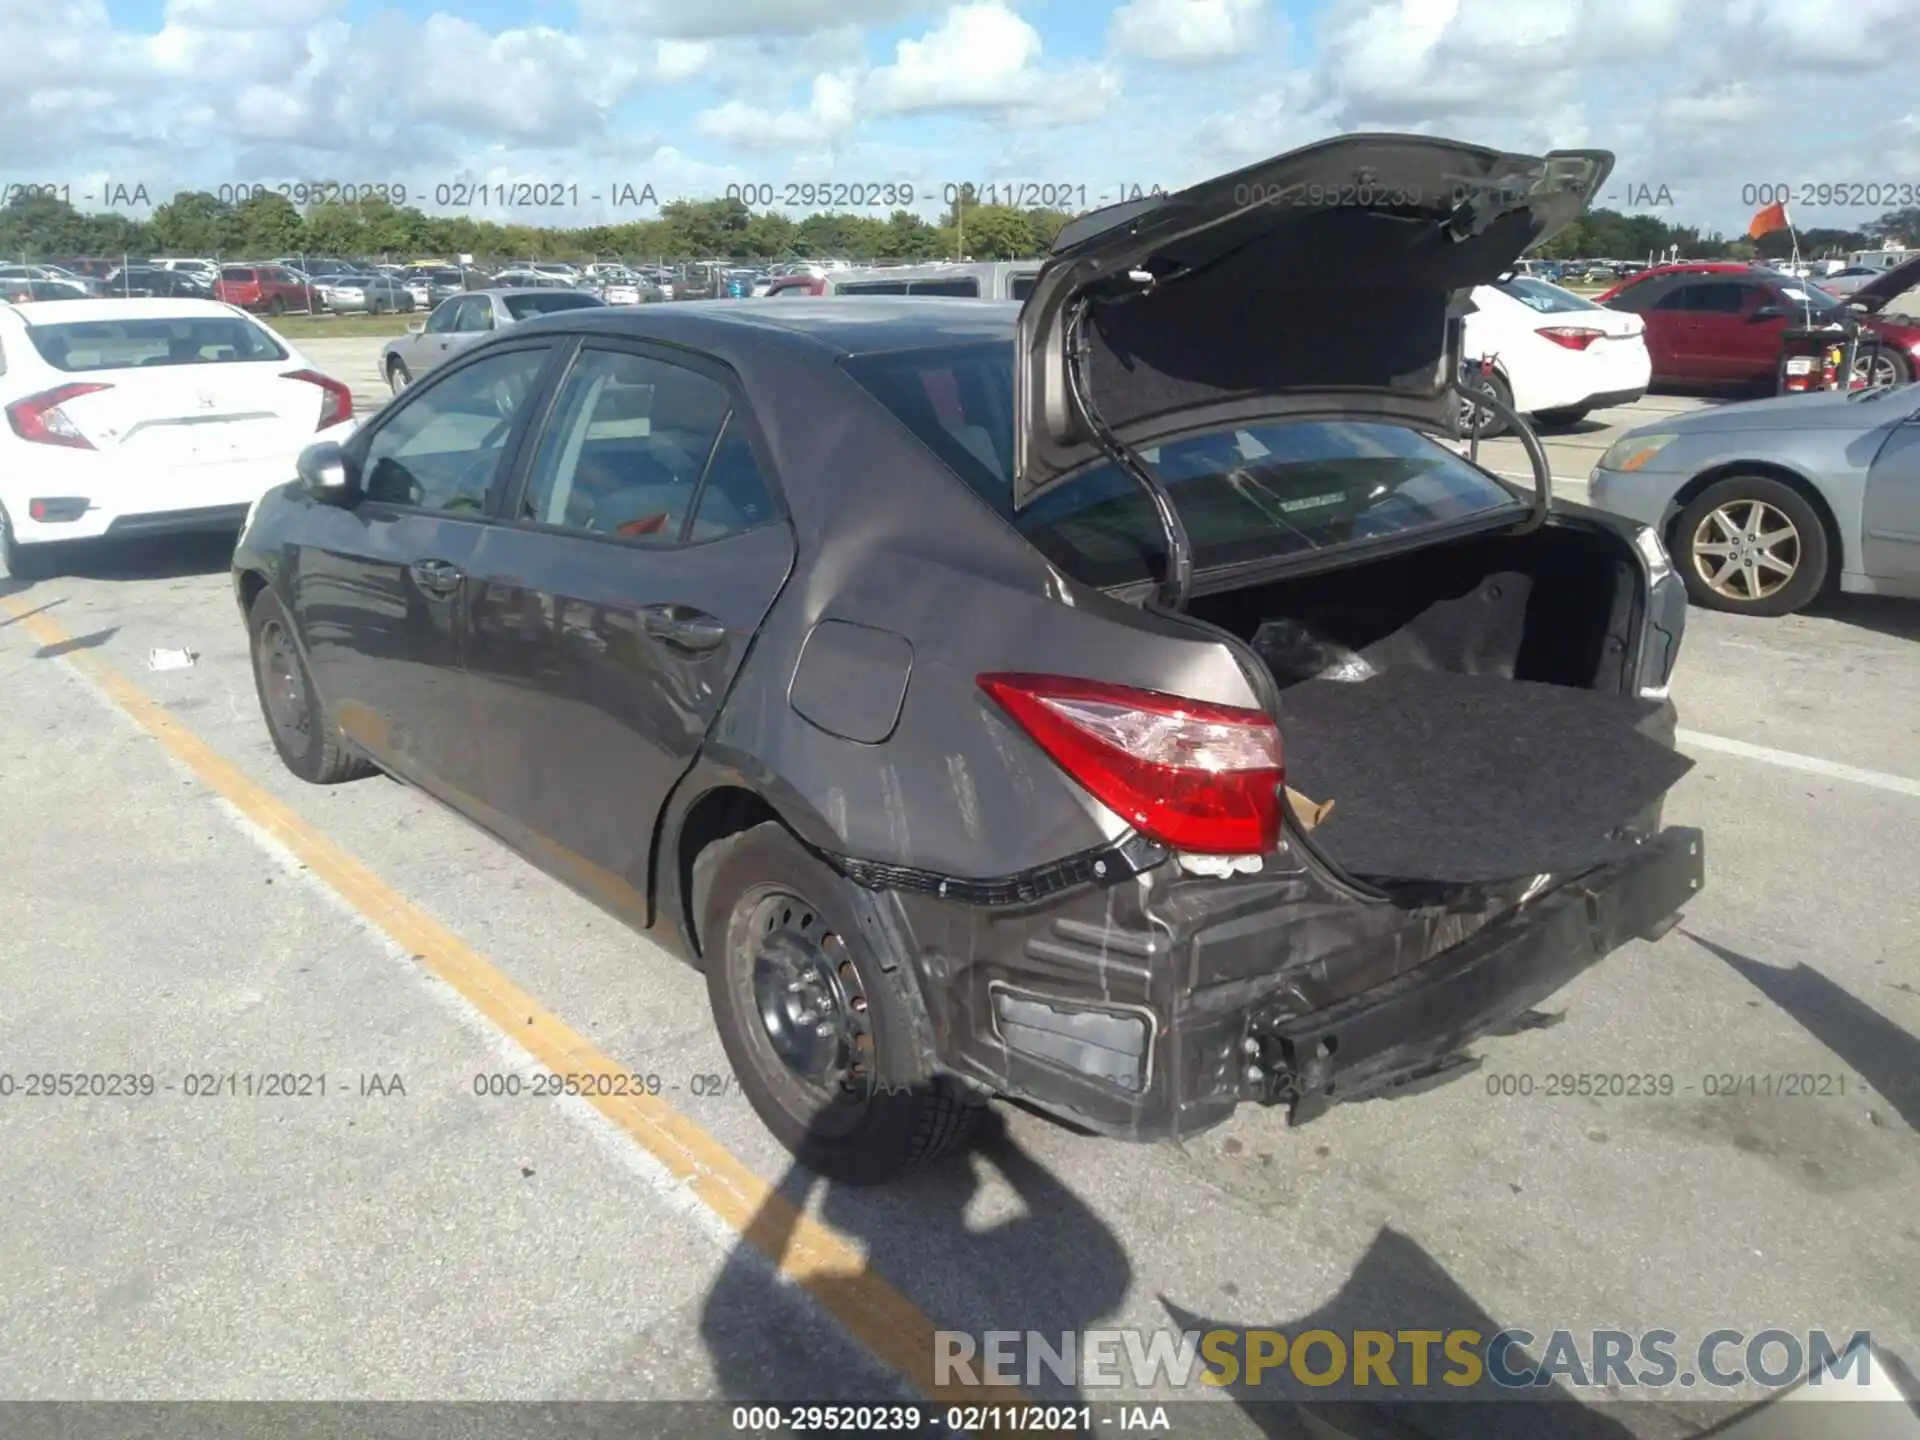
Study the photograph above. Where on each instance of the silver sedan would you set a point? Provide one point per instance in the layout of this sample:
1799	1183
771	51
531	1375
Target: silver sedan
365	294
1766	505
458	322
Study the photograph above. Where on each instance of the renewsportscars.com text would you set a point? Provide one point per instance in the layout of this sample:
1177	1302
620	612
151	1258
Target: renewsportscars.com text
1459	1360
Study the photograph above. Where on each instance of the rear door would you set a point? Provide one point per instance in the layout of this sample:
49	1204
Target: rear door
612	608
381	595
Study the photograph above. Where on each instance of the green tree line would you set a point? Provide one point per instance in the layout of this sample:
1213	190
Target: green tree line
197	223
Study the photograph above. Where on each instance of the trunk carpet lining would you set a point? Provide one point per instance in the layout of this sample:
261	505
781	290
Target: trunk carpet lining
1465	778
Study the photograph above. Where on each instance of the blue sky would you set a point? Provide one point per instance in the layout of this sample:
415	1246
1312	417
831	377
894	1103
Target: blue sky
1083	95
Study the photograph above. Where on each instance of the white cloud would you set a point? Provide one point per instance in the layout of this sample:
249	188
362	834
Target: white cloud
830	112
984	56
1188	32
712	19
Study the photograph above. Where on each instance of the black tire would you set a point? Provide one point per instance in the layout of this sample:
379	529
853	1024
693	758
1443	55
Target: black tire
310	744
1491	426
25	562
1561	419
767	909
1723	518
398	376
276	307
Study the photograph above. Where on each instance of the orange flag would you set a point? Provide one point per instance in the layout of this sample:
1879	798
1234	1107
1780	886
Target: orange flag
1773	218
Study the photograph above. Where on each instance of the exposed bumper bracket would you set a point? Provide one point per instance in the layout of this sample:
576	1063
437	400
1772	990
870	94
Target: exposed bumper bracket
1415	1028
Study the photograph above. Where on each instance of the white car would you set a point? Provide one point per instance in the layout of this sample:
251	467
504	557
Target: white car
130	417
1555	355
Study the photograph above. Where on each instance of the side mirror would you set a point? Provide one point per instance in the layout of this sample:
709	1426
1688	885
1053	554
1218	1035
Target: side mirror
418	327
327	474
1770	312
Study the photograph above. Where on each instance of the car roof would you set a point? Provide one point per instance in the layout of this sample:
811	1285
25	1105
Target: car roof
60	312
843	325
1702	267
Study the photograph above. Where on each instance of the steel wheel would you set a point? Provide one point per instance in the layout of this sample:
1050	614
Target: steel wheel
807	992
283	689
398	377
1746	550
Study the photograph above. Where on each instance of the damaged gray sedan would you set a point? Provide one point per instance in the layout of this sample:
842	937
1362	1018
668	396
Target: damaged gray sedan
1126	702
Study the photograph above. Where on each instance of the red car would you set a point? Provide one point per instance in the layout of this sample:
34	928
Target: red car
1717	325
268	288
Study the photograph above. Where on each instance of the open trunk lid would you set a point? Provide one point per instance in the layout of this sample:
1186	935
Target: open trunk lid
1326	281
1877	294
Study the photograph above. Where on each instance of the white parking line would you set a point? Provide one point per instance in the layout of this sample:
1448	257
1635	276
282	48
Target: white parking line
1809	764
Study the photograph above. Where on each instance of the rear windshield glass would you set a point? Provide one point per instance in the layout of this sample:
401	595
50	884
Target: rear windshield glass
119	344
236	274
1252	493
525	307
1539	295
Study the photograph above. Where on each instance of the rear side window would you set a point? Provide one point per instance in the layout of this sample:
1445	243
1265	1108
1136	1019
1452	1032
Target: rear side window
734	494
1021	287
120	344
969	288
525	307
875	287
1253	493
1539	295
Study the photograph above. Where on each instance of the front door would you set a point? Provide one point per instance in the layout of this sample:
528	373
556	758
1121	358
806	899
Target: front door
381	597
611	610
1890	521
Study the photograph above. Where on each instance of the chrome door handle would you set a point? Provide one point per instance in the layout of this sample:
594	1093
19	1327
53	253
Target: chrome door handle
442	577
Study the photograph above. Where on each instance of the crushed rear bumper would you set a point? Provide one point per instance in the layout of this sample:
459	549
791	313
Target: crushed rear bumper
1154	1007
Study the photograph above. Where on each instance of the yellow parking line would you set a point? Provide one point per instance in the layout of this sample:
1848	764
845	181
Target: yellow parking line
805	1251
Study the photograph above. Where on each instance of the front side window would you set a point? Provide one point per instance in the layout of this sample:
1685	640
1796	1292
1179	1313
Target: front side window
969	288
875	287
1256	492
442	448
442	320
626	447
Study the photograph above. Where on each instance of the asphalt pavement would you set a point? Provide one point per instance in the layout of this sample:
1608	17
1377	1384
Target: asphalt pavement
177	907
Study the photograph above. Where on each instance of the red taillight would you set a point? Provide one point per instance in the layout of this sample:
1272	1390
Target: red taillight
40	419
336	408
1572	336
1193	775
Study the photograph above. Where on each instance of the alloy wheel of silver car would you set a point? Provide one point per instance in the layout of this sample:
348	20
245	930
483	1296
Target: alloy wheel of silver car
1746	550
1879	368
398	376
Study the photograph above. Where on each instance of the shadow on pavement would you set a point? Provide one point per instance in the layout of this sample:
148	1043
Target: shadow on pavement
1397	1287
157	558
1052	1266
1884	614
76	642
1885	1055
9	587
